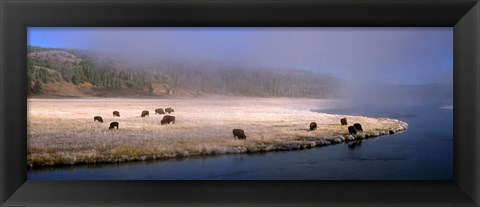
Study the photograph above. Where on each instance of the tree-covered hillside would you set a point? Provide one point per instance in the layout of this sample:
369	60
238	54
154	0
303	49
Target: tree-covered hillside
51	70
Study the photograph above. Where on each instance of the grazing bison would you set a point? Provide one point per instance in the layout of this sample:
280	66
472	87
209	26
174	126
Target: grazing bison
113	125
97	118
358	127
239	133
169	110
313	126
167	119
116	113
343	121
145	113
159	111
352	130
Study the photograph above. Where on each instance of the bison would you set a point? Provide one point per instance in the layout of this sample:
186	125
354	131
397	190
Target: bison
239	133
167	119
358	127
116	113
313	126
145	113
159	111
343	121
352	130
97	118
169	110
113	125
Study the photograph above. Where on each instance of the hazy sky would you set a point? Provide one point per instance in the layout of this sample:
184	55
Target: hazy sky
380	55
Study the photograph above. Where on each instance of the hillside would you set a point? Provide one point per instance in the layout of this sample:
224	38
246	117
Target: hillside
54	72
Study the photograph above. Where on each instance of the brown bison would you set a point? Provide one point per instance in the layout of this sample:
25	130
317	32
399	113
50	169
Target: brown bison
145	113
313	126
352	130
116	113
343	121
159	111
239	133
167	119
169	110
97	118
358	127
113	125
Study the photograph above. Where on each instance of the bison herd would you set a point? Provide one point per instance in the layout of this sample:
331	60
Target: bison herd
237	133
167	119
240	134
351	129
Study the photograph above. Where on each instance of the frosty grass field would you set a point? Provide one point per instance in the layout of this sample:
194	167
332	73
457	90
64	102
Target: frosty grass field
63	132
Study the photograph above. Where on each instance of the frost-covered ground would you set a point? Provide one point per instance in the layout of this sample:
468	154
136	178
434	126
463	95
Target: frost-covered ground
62	131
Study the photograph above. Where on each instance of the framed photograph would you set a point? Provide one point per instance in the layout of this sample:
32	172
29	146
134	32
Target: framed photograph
296	103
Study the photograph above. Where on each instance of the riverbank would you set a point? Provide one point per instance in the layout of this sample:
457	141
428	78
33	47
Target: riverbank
62	132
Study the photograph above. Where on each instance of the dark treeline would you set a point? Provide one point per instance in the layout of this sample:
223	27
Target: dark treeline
107	74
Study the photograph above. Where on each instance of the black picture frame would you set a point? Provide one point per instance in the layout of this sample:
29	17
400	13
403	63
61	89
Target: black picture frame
462	15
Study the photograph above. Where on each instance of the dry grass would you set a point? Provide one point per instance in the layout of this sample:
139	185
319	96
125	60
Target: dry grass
62	131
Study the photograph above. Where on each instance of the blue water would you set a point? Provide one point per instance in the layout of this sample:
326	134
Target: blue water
423	152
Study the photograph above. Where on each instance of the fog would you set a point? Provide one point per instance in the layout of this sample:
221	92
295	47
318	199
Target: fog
415	61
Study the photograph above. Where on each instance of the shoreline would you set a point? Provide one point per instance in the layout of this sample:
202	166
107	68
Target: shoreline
68	137
299	144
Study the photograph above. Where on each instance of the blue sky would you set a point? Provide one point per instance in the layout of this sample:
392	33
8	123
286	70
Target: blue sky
361	55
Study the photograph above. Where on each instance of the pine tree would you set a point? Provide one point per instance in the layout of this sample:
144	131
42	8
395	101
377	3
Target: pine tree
75	79
37	86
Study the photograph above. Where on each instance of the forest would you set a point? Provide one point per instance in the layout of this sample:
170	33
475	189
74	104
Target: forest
112	76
